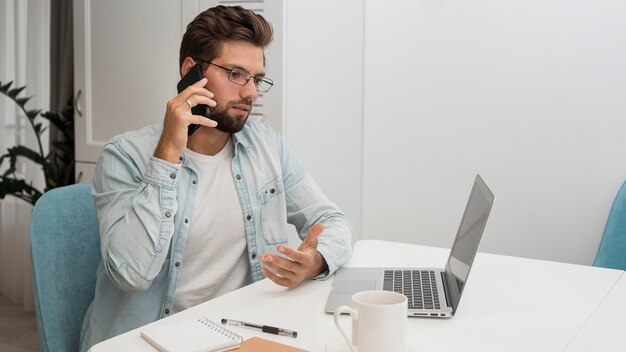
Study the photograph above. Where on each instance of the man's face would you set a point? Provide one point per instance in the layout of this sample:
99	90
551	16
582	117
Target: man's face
234	101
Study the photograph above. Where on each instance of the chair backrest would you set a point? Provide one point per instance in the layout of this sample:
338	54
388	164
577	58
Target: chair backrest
65	246
612	249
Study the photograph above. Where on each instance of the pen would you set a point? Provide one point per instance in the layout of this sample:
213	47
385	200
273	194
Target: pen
264	328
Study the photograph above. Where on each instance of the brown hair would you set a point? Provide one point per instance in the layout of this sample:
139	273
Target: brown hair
206	34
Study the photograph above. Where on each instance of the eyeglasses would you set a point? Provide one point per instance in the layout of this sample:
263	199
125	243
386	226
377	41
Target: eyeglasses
241	77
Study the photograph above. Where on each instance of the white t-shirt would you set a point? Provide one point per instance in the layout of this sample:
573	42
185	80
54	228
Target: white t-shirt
216	254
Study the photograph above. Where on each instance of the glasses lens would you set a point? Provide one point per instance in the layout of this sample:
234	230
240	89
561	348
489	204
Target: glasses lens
238	76
242	77
263	84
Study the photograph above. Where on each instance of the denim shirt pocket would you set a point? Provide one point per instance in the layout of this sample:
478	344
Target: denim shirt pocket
273	216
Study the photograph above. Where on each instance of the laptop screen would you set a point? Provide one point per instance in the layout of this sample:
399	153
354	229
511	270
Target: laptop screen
467	239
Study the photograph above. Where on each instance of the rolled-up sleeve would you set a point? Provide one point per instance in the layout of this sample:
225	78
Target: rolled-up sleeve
136	204
307	205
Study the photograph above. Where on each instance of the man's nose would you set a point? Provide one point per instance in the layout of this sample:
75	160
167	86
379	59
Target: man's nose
249	90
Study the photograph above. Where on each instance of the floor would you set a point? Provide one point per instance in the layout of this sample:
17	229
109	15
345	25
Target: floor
18	329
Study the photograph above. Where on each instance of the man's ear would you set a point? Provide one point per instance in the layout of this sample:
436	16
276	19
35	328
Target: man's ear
188	63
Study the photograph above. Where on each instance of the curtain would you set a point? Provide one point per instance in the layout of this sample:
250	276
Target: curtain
61	60
24	59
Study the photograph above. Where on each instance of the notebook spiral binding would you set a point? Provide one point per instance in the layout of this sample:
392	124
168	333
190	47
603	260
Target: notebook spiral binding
220	329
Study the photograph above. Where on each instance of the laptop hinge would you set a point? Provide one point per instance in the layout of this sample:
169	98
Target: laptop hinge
446	290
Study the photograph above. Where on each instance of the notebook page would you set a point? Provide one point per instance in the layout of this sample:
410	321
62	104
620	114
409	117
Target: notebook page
196	335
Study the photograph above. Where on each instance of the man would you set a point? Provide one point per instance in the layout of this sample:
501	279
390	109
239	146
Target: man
184	219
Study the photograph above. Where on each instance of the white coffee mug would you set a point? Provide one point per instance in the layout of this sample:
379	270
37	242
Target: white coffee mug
378	321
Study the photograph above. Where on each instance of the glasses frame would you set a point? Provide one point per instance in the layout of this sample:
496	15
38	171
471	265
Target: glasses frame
257	80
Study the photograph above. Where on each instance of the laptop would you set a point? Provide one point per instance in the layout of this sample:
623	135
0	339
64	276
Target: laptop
431	292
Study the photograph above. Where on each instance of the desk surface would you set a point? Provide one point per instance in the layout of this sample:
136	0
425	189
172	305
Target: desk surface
509	303
604	331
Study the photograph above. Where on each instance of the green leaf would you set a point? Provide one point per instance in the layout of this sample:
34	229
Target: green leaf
22	101
31	114
54	119
4	156
21	151
64	124
18	188
15	91
57	166
11	168
5	88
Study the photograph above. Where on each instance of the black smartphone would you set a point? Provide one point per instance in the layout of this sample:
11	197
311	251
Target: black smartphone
193	76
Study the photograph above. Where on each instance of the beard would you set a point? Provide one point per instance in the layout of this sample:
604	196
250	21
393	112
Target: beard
227	123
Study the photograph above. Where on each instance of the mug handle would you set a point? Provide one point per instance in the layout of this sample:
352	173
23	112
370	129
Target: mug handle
354	314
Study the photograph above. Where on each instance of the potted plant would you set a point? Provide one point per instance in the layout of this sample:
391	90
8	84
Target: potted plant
57	165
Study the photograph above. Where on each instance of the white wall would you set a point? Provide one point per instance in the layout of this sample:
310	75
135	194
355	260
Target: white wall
530	94
395	105
324	95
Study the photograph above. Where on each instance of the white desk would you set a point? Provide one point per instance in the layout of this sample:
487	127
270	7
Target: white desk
604	331
509	304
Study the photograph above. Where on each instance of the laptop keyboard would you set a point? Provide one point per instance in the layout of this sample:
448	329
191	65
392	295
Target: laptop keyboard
419	286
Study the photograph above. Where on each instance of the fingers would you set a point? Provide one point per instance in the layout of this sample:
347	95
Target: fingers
316	229
178	117
199	100
311	239
196	94
280	270
280	265
295	255
199	120
200	84
301	264
197	89
284	271
293	270
278	279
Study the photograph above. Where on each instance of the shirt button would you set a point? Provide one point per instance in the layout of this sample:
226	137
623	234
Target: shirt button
194	181
272	191
177	263
253	255
186	220
167	311
173	175
168	213
249	217
238	177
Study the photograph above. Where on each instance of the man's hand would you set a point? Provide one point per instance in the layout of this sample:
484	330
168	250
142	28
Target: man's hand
303	263
178	117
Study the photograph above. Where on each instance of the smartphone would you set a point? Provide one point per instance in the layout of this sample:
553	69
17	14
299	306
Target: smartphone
193	76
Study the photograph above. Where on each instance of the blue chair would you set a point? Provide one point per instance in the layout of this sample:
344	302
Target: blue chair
65	245
612	249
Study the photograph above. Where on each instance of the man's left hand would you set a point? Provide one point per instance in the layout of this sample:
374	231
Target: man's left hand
303	263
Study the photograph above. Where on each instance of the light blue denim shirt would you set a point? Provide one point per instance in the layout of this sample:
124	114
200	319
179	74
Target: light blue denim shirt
144	207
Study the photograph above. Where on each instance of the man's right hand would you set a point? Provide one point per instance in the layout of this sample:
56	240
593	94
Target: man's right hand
178	117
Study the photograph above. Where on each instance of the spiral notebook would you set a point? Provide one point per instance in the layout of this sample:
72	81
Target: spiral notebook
196	335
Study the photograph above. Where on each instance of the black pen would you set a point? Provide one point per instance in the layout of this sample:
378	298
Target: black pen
264	328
